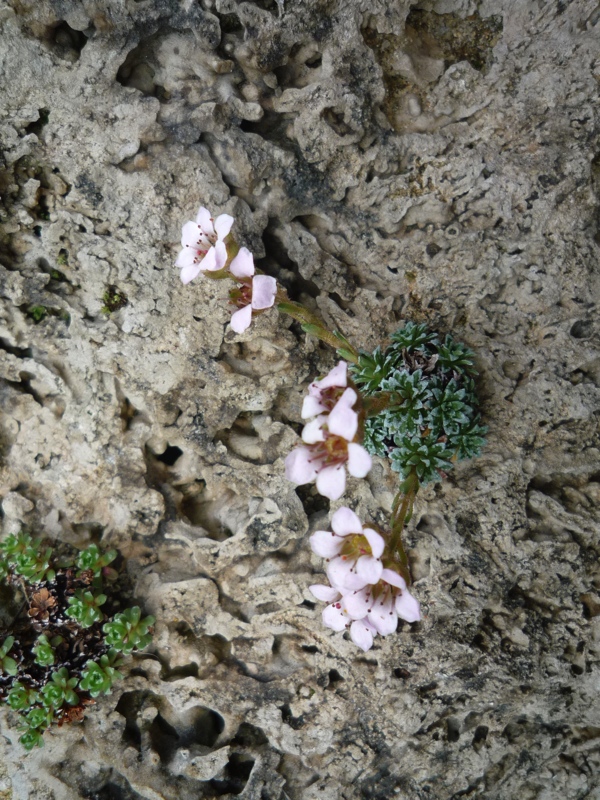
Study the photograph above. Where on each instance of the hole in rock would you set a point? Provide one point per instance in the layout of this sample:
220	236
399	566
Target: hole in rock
164	737
38	124
66	41
582	329
237	771
334	117
129	706
170	455
334	677
249	735
312	501
212	515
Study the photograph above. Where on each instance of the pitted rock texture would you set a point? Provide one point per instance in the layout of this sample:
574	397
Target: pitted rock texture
435	161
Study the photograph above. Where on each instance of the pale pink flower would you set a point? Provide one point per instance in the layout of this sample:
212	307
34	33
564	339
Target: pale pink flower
252	295
336	618
328	449
355	552
203	243
324	394
382	603
373	609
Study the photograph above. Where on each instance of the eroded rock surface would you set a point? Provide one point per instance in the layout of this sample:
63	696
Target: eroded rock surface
434	161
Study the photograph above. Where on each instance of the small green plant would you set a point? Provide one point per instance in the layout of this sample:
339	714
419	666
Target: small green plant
37	313
43	651
128	631
93	560
430	416
8	665
85	608
98	677
59	653
113	299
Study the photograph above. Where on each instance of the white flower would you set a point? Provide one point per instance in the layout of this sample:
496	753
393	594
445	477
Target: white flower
324	394
203	243
354	551
254	295
329	449
373	609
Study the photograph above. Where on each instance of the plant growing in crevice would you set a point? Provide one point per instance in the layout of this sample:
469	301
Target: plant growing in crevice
411	402
57	658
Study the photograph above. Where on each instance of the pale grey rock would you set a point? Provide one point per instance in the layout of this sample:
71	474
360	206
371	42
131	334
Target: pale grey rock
386	161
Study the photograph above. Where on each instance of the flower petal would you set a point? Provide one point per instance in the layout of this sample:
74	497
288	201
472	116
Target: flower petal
189	272
331	482
338	376
391	576
311	406
312	432
334	617
242	265
407	607
383	616
264	289
361	633
323	592
187	257
325	544
357	604
220	255
299	468
359	461
343	421
342	574
369	569
209	262
241	319
376	542
204	219
191	235
345	522
223	225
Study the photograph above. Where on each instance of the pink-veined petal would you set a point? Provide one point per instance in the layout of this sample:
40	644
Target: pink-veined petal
223	225
338	376
325	544
311	406
369	569
344	522
391	576
357	604
191	235
331	482
312	432
333	617
359	461
383	616
242	265
361	633
376	542
299	468
323	592
241	319
189	272
204	219
342	574
407	607
187	257
264	289
209	262
343	421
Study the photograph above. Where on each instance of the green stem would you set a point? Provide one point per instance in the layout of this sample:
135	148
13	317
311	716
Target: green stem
312	325
402	510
